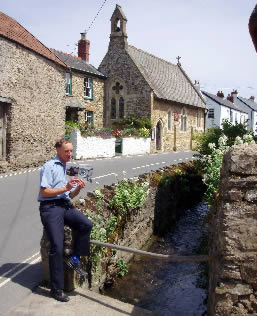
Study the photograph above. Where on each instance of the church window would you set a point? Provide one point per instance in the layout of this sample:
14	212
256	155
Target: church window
117	25
121	108
113	109
169	120
183	125
88	88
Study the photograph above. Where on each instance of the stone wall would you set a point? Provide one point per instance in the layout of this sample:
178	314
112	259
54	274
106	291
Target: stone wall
36	117
233	236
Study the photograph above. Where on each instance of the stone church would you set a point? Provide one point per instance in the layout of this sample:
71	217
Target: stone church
147	86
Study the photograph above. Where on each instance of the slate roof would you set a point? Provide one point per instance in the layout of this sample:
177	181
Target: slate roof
250	103
168	81
12	30
224	102
77	63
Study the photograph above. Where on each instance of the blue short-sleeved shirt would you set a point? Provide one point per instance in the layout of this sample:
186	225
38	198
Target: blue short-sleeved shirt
52	175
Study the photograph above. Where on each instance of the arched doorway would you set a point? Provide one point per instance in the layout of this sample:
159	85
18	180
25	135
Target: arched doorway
158	135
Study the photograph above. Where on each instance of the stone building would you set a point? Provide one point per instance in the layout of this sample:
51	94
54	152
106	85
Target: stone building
146	86
32	98
84	87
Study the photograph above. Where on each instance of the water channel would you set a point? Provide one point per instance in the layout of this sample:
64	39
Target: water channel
168	288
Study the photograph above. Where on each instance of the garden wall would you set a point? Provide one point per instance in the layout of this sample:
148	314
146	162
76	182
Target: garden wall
233	236
91	147
135	146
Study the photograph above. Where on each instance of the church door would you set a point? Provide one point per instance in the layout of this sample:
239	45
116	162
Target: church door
158	136
2	131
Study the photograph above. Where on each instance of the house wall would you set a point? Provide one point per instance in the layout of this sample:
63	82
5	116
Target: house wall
96	104
255	122
183	139
36	117
218	114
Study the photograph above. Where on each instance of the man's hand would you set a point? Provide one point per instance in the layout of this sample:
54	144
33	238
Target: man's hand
80	184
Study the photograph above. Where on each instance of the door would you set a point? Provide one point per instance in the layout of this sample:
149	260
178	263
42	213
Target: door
158	136
2	131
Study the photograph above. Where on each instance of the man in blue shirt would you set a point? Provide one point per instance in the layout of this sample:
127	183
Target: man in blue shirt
56	211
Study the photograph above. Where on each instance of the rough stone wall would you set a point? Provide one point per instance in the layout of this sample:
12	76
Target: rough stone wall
36	117
136	92
183	139
96	104
233	236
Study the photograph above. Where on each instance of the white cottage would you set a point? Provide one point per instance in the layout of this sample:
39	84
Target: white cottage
220	109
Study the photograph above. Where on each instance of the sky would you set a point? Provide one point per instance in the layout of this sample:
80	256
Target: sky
210	36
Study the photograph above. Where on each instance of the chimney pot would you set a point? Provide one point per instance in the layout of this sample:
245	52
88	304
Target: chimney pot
83	47
252	98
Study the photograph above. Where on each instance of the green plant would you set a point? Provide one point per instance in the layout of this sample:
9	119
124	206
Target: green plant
122	266
129	196
144	132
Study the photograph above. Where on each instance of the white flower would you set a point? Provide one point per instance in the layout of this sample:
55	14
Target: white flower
211	145
102	231
124	172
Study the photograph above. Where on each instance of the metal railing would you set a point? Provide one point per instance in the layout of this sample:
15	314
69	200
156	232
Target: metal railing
200	258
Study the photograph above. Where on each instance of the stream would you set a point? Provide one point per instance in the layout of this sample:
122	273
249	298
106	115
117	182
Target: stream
168	288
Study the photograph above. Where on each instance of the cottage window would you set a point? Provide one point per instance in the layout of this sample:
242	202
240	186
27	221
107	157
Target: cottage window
183	124
231	116
121	108
89	118
113	109
88	88
169	120
68	83
211	113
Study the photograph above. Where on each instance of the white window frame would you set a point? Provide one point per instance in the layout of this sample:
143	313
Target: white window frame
88	88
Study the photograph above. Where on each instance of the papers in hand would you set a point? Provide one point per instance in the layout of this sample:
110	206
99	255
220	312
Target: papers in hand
82	171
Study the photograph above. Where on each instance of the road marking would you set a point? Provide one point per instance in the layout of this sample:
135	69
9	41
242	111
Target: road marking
21	270
180	159
105	175
163	162
157	163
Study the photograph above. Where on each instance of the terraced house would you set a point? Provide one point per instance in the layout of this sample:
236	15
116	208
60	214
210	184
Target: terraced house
84	87
32	98
144	85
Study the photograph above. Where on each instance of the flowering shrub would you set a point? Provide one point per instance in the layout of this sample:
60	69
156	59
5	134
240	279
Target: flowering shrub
117	133
213	162
129	196
144	132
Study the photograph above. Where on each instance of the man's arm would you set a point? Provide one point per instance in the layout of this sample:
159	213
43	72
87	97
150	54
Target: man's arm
50	192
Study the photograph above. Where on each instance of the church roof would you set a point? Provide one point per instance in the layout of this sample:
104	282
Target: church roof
12	30
168	81
76	63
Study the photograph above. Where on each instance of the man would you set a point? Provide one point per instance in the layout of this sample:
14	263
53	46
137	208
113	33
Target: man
56	211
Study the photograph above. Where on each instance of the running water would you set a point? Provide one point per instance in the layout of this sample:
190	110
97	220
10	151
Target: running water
168	288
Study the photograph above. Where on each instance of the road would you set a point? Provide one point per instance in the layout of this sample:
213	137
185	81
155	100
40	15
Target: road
20	226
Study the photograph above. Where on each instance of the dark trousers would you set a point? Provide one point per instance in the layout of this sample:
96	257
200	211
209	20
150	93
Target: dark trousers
54	215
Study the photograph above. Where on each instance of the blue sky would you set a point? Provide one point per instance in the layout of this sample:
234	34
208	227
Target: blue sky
211	36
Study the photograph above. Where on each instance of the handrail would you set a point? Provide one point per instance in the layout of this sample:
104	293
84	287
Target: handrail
200	258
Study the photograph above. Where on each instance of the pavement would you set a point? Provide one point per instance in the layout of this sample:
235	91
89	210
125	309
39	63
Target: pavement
82	302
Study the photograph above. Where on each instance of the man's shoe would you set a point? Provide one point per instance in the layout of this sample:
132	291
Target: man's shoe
59	295
75	266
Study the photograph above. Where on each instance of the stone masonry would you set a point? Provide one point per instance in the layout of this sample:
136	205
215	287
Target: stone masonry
36	116
233	236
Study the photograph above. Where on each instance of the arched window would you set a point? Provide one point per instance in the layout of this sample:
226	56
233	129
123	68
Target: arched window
121	108
117	25
113	108
183	123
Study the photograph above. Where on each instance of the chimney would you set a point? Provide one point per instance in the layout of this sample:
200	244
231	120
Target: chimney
234	93
220	94
230	98
83	47
252	98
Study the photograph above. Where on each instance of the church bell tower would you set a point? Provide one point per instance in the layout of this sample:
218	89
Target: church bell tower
118	37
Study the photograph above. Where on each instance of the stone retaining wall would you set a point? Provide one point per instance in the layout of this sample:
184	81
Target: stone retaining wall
233	236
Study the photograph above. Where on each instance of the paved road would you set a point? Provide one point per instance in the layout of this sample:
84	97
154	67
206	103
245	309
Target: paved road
20	226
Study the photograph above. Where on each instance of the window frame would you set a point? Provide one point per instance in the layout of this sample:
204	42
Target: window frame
68	84
211	113
89	114
88	84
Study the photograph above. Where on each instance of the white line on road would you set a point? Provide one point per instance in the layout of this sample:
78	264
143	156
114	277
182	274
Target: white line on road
106	175
21	270
15	267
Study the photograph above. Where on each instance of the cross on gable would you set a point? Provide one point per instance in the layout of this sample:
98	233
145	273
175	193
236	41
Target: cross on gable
117	87
178	58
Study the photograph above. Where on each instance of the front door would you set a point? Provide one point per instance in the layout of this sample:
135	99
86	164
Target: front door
158	136
2	131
